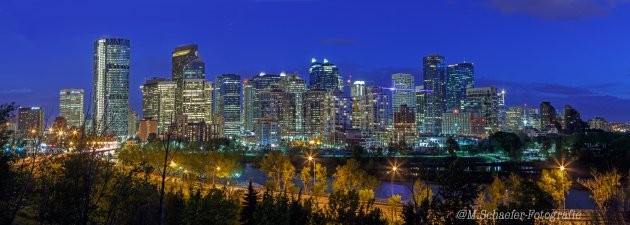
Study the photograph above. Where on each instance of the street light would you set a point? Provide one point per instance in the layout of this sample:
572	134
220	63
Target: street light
391	182
562	173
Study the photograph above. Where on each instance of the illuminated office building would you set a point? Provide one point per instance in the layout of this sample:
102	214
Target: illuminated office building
484	103
459	78
228	102
158	102
324	76
110	89
71	106
434	75
185	64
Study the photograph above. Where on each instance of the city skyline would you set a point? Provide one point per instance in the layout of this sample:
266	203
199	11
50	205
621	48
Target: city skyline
559	76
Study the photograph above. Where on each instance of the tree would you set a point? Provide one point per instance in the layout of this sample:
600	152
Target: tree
351	176
508	142
345	207
452	147
249	205
497	191
457	193
394	201
279	170
555	182
605	188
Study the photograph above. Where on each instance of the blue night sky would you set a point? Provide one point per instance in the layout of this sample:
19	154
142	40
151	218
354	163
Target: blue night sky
565	51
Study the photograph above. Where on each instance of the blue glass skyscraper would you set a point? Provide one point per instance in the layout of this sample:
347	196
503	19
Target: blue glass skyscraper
459	78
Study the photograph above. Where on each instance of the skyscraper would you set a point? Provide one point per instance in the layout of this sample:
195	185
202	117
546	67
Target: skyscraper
434	71
194	100
483	102
459	78
228	102
30	120
71	106
404	92
324	76
314	113
515	118
110	88
296	86
547	116
158	102
572	121
248	106
185	64
360	105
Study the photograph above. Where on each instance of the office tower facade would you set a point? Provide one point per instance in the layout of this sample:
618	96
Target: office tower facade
278	107
228	102
262	82
515	118
30	121
110	88
185	64
194	100
434	74
572	121
296	87
547	116
248	106
71	106
459	78
324	76
404	92
457	122
599	123
420	109
484	103
337	118
158	102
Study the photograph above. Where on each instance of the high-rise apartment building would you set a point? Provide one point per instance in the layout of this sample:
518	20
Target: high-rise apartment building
296	87
110	88
434	75
71	106
599	123
459	78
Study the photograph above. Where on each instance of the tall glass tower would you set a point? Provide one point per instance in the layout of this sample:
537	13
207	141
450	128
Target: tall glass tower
459	78
110	88
185	64
434	71
404	92
228	102
324	76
